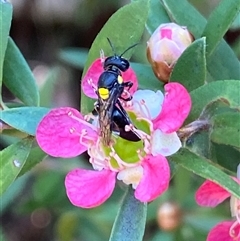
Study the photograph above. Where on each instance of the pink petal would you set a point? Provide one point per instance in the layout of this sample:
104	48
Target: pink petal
87	189
176	107
221	232
166	50
130	75
95	71
155	178
92	73
166	33
54	134
210	194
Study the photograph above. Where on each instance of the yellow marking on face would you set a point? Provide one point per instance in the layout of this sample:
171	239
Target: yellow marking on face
120	79
104	93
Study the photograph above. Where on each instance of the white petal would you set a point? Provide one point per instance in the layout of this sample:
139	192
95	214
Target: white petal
97	158
165	144
148	102
131	175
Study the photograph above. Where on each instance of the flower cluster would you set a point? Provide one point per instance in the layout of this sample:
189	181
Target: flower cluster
211	194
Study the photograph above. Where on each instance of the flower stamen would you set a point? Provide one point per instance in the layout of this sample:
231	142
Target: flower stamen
131	175
102	56
70	114
93	86
144	111
232	232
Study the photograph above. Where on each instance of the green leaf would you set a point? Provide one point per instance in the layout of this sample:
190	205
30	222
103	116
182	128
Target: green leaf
202	167
223	63
18	77
5	20
226	156
157	15
35	156
185	14
124	28
219	22
236	23
130	221
11	194
199	143
24	119
226	129
146	78
47	89
12	160
75	57
190	69
227	90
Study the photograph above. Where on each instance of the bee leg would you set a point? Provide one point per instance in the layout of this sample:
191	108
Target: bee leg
128	84
96	108
126	99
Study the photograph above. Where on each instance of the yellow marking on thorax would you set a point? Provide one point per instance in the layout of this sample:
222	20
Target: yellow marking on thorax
120	79
104	93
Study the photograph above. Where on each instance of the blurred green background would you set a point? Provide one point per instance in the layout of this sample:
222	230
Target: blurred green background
54	36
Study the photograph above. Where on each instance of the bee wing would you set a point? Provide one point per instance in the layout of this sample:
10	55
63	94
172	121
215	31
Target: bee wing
106	108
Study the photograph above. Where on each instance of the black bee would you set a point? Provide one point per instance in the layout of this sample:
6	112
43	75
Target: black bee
110	87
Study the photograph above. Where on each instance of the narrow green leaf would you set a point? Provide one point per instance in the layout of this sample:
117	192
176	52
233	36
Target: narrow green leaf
12	160
185	14
24	119
11	194
219	22
190	69
236	23
35	156
226	129
219	153
5	20
75	57
146	78
223	63
227	90
46	91
202	167
157	15
17	76
124	28
131	219
199	143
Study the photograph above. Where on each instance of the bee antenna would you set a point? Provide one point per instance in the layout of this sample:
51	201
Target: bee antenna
111	45
129	49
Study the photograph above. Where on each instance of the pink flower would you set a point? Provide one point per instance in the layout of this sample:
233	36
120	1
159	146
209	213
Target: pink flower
165	46
211	194
64	132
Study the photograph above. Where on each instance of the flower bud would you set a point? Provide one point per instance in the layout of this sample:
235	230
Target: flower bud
169	216
165	46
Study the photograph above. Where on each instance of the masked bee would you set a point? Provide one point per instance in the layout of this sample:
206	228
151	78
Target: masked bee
110	87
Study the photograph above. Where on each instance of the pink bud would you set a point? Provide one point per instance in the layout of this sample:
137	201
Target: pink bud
165	46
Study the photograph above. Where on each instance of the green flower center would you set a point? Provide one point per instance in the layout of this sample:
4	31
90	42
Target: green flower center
123	152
